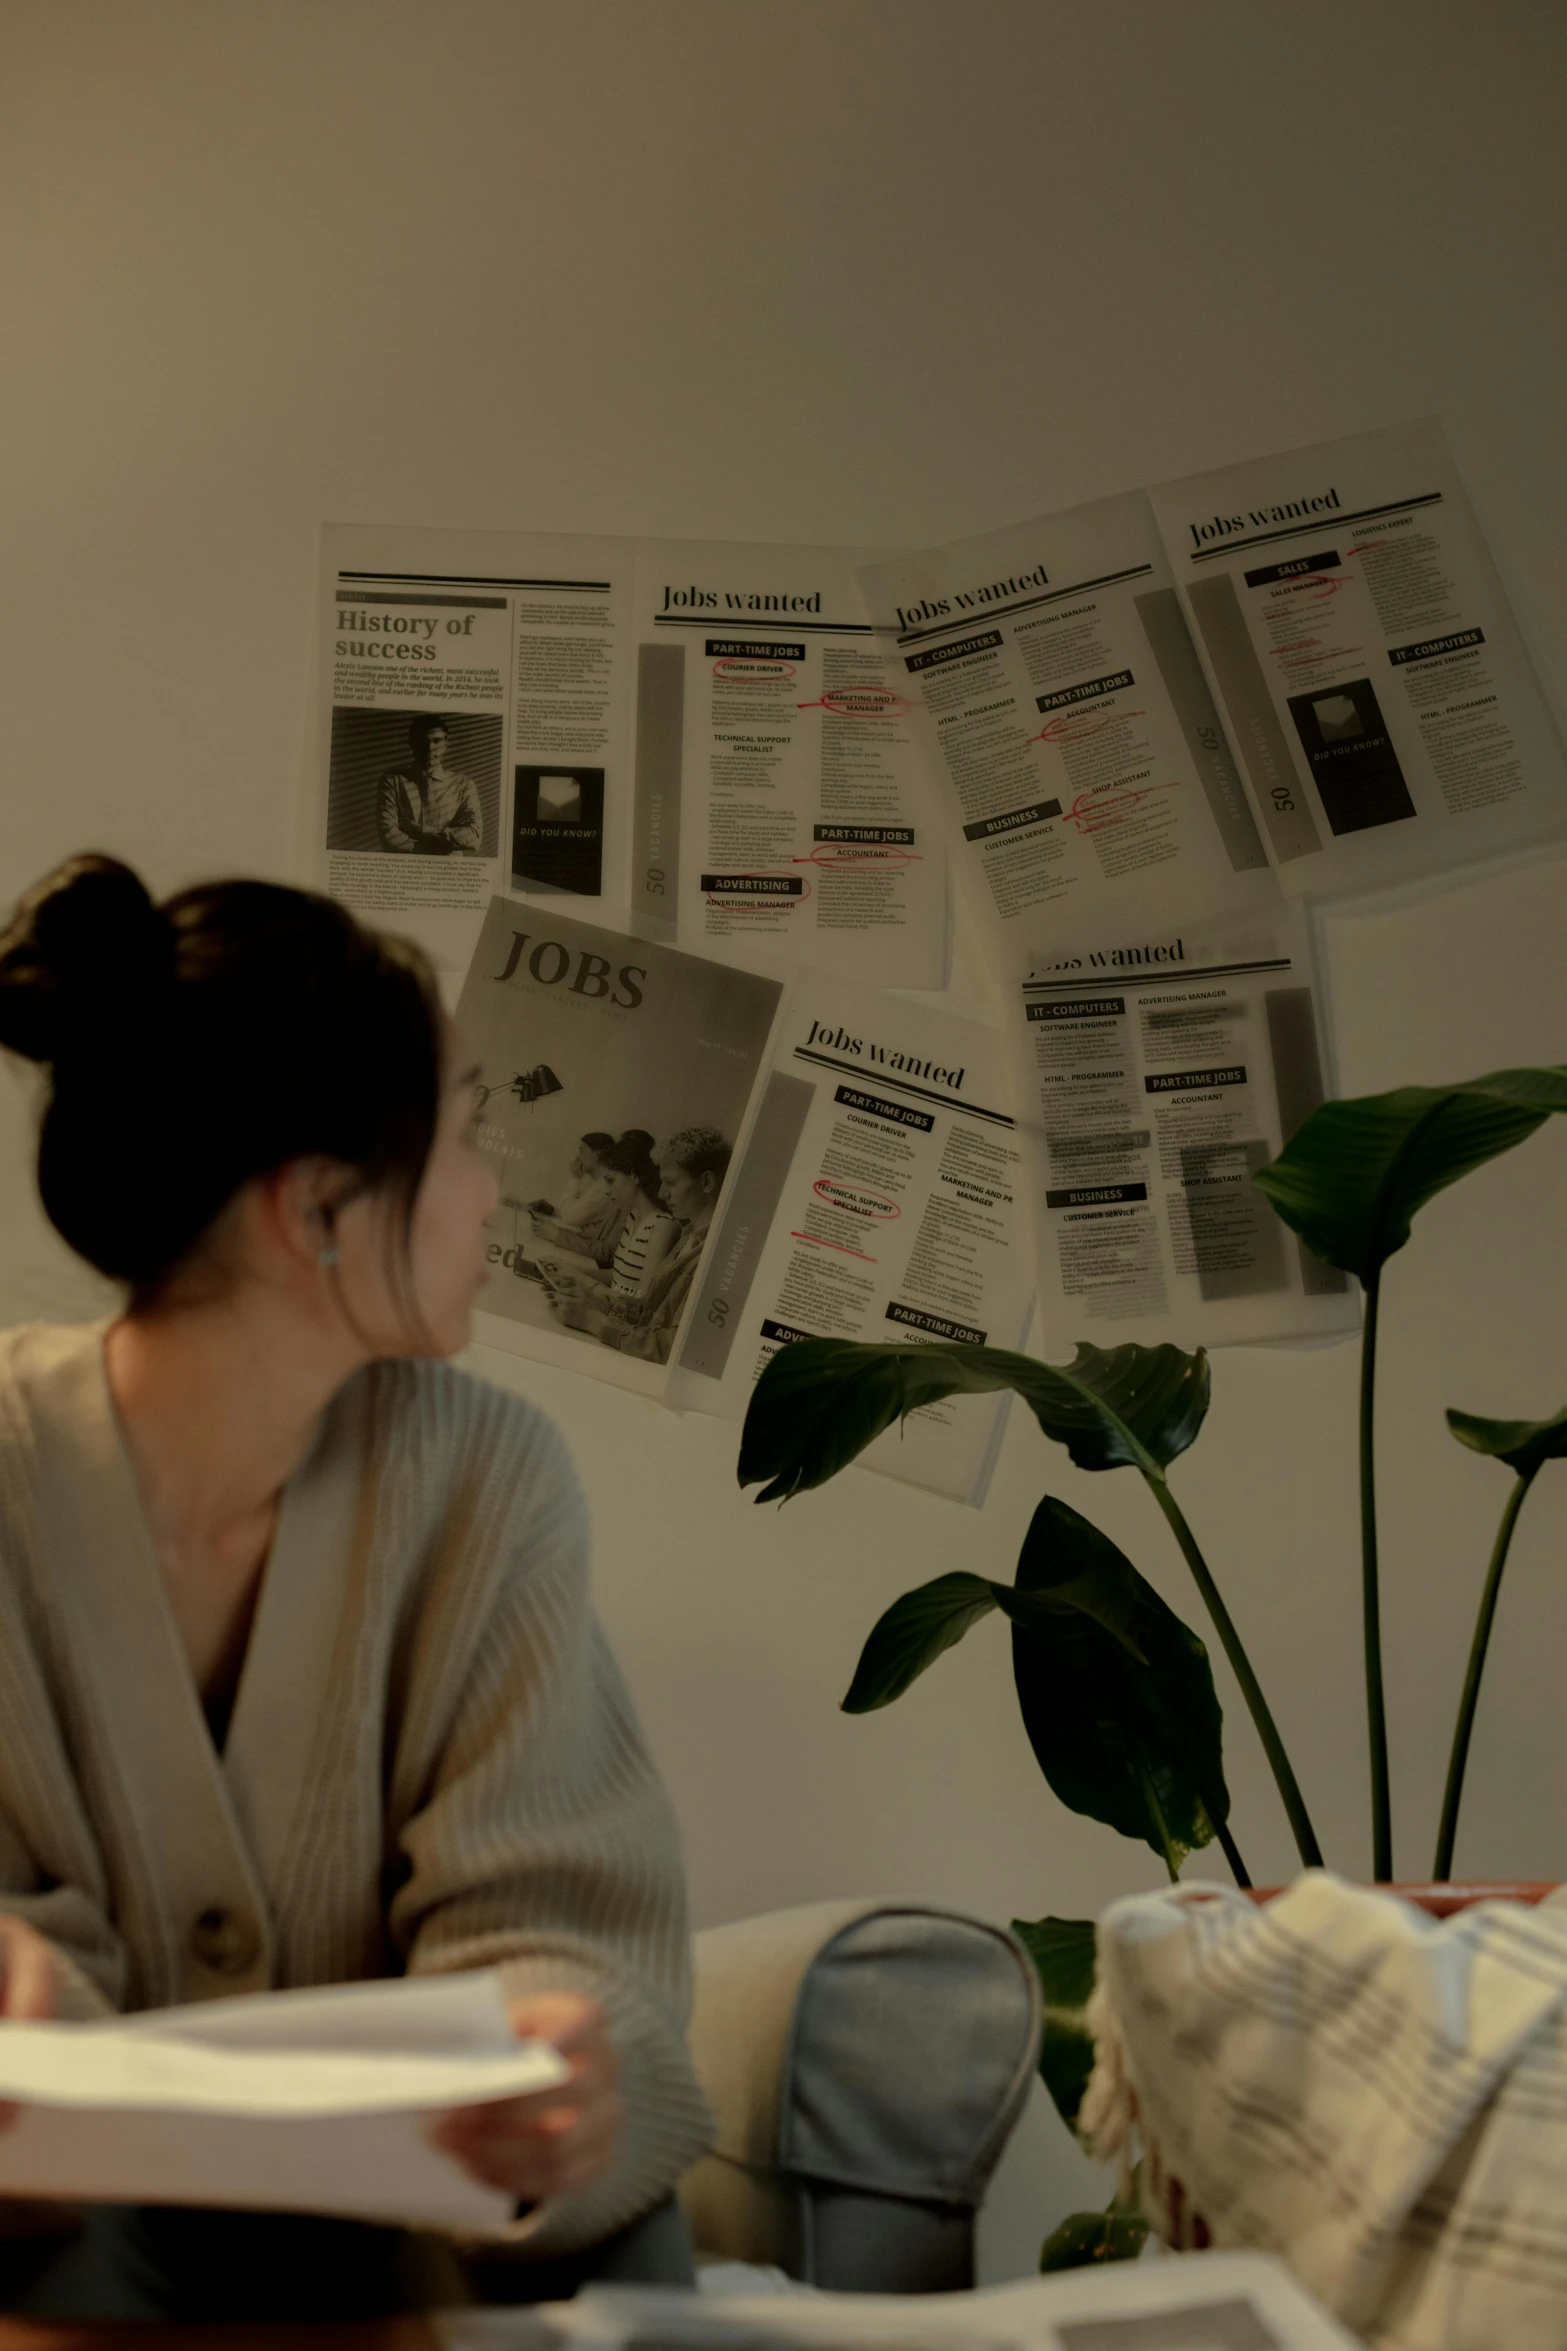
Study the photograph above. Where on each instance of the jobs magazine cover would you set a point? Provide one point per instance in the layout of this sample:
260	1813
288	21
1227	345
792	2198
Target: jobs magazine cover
615	1081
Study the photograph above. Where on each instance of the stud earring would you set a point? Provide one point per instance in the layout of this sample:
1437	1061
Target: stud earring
328	1256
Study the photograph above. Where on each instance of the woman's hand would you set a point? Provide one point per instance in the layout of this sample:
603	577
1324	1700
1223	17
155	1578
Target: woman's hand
552	2141
27	1984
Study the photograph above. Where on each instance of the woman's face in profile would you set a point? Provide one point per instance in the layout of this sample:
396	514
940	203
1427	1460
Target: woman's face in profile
447	1240
585	1165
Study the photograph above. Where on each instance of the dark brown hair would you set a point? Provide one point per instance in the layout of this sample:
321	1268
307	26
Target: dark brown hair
194	1045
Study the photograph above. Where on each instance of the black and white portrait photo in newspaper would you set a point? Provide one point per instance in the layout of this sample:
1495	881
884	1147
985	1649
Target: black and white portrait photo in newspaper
615	1077
414	782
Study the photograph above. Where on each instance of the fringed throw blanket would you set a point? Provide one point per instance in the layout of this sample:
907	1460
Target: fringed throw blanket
1379	2098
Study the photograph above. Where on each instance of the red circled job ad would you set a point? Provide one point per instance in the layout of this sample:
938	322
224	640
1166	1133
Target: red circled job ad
860	702
831	853
1097	815
1073	727
735	665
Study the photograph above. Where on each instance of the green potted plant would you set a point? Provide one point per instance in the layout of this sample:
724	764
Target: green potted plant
1115	1691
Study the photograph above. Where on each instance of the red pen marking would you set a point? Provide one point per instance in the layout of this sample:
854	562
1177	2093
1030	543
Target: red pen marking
733	666
831	854
1311	653
1071	727
860	702
1096	815
817	1242
1366	547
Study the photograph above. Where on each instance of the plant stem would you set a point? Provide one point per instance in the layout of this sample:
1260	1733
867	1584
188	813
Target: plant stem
1442	1867
1371	1599
1155	1812
1232	1854
1240	1665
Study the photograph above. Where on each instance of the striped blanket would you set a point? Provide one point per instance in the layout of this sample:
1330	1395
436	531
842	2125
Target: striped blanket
1378	2098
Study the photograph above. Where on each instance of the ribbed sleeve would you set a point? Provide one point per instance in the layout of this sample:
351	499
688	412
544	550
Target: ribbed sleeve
546	1844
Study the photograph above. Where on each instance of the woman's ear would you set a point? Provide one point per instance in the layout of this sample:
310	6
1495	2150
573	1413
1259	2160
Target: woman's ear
297	1205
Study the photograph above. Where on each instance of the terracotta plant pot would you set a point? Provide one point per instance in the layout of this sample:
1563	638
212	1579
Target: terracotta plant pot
1442	1900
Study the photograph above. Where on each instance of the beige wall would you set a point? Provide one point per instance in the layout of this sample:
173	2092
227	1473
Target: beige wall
870	270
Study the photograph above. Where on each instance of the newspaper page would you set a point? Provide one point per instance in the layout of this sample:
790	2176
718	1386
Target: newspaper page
474	706
1073	738
704	737
1360	642
779	798
879	1199
1155	1072
1199	2302
615	1078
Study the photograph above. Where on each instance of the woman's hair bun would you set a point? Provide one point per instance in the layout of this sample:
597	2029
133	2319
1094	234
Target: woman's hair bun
85	947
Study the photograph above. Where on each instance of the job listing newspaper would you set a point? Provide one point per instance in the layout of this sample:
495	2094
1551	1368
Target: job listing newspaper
1068	727
880	1200
697	1165
616	1079
706	736
1154	1072
1388	720
1202	2302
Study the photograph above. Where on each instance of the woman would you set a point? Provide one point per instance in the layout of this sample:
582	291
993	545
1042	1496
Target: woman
588	1217
691	1168
647	1233
298	1675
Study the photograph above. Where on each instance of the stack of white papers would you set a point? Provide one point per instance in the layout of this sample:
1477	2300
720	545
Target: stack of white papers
291	2101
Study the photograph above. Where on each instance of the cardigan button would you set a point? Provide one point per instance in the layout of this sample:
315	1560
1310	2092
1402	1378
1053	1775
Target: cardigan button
224	1941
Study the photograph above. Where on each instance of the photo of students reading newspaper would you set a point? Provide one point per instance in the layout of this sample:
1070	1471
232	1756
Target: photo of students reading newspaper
624	1233
584	1216
639	1308
616	1076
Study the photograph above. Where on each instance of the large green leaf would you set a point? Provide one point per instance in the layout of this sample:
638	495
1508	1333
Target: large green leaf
1134	1741
1353	1174
820	1402
925	1623
913	1633
1088	2240
1523	1444
1062	1950
1116	1694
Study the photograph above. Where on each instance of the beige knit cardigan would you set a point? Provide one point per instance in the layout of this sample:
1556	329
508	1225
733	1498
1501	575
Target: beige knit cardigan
432	1762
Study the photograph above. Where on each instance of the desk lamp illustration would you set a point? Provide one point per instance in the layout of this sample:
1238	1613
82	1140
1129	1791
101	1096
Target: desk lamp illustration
529	1085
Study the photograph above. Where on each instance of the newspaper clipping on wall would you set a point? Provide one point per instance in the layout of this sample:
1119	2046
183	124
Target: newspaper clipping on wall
1074	743
708	737
880	1199
1154	1073
1388	720
616	1078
